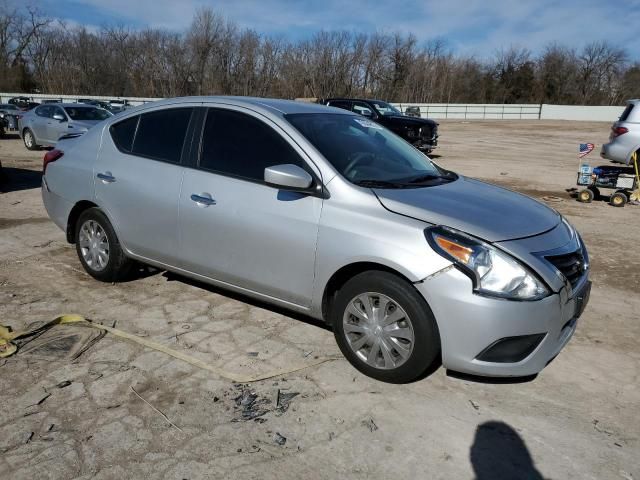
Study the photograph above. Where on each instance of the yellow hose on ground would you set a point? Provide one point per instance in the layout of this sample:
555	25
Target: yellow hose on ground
7	349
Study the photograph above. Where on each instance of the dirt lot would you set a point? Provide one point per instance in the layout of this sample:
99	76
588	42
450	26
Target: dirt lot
578	419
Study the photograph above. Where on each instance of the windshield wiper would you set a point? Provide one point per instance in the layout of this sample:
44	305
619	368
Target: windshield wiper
429	177
380	184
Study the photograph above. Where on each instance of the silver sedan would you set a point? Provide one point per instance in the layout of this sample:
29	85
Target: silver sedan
327	213
44	125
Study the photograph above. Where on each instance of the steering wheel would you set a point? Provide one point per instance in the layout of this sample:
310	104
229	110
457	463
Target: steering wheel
365	158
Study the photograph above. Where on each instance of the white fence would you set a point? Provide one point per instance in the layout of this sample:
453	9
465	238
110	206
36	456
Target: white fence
515	111
432	110
38	97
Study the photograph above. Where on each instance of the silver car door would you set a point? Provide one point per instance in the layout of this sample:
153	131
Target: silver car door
138	177
56	128
235	228
40	119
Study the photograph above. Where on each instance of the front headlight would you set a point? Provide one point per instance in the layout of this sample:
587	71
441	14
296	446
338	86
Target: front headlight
493	272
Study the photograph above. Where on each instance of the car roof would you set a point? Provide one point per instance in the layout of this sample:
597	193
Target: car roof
354	99
72	105
272	105
635	101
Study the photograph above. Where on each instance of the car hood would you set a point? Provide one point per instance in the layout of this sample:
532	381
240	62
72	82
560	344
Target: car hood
480	209
405	120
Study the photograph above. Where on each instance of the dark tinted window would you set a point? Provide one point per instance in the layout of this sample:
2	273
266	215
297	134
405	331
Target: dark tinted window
87	113
123	132
626	112
242	146
344	104
161	134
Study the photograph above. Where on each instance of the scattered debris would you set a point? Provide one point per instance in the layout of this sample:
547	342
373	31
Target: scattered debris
306	354
370	424
283	400
64	384
251	407
331	436
552	198
30	437
474	405
156	410
279	439
252	354
41	401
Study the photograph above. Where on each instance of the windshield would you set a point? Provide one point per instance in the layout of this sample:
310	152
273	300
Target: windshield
366	153
87	113
385	109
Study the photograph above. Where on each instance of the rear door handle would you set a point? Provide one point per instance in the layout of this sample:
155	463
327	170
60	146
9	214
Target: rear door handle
106	177
203	200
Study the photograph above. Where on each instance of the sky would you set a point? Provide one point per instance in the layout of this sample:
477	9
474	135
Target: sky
470	27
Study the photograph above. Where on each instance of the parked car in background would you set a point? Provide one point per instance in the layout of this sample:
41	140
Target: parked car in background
326	213
9	116
422	133
118	106
412	112
98	103
625	135
23	103
45	124
51	100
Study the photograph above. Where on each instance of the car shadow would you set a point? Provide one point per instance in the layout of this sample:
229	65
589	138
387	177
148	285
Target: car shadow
16	179
498	452
170	276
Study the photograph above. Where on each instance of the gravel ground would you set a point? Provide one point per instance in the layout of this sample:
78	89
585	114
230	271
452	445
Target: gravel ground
63	418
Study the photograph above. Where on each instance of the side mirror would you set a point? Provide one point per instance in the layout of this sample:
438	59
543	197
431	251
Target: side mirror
288	176
59	117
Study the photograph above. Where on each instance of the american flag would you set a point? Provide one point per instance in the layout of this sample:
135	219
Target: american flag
585	149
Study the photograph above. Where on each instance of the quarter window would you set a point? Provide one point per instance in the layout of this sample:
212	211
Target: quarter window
237	144
161	134
123	132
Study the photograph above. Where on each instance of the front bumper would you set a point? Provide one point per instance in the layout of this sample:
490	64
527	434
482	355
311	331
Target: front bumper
470	323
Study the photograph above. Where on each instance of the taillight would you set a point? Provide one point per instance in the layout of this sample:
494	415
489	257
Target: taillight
49	157
617	131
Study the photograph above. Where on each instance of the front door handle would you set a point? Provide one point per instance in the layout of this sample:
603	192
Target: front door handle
203	200
106	177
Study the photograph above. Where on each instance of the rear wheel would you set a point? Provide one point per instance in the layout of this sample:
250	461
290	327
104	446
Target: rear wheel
99	249
384	327
30	140
618	199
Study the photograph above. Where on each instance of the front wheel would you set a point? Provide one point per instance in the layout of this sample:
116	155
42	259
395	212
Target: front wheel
618	199
99	249
385	328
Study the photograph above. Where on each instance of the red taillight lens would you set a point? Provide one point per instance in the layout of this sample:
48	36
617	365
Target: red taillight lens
617	131
49	157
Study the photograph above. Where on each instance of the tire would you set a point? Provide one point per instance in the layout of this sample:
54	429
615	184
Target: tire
29	140
94	236
618	199
586	195
389	358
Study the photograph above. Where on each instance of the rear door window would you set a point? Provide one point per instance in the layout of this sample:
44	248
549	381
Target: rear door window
161	134
240	145
344	104
626	113
123	133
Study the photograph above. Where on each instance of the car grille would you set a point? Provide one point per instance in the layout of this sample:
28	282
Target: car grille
571	265
426	133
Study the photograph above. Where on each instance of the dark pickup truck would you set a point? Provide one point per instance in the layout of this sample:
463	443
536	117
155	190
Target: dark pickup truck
420	132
